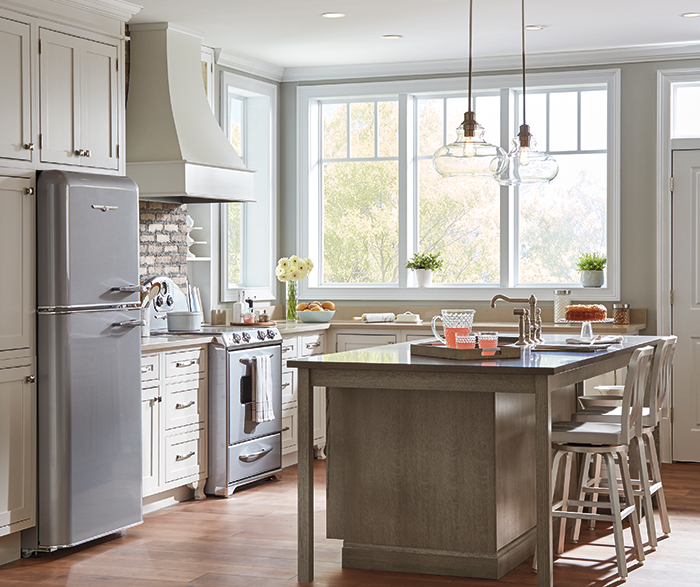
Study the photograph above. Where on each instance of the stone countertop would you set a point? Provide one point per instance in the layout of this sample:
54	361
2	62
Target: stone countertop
397	357
169	342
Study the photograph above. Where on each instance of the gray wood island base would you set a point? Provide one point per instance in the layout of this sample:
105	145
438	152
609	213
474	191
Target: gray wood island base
437	466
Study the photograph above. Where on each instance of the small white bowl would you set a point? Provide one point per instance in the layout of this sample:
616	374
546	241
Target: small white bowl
311	316
184	321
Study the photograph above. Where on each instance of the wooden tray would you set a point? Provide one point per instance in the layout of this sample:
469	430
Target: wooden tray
440	351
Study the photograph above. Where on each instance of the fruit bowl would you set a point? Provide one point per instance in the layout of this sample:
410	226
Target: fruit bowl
312	316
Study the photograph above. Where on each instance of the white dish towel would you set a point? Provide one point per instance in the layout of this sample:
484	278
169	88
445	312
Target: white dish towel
600	339
263	410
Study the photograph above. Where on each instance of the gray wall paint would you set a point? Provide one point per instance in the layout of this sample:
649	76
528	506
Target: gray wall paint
638	177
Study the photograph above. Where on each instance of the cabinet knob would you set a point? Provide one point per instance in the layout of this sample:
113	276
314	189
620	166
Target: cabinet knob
87	152
28	191
79	152
30	379
29	146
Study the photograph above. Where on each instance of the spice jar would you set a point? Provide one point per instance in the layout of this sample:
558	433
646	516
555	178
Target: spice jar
621	313
562	298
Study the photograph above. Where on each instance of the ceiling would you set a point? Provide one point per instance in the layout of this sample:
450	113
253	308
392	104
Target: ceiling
292	33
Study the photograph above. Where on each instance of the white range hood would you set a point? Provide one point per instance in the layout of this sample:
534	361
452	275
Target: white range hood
175	149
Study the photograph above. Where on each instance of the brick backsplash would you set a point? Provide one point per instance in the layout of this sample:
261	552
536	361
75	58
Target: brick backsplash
163	235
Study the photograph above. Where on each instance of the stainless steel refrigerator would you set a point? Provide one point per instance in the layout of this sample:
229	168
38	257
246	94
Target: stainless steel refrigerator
89	355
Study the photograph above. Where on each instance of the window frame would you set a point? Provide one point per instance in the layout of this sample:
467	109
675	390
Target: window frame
259	217
309	99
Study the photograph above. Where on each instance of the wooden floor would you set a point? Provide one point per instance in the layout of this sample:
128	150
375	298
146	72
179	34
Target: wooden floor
249	540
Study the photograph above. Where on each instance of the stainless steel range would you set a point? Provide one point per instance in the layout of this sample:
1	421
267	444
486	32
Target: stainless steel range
240	449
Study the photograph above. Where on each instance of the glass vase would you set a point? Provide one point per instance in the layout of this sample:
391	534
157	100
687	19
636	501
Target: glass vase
292	302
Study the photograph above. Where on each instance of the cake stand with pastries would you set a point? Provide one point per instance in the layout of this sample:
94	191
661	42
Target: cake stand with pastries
586	314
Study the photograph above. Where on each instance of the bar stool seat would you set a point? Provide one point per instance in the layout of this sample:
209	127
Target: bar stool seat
609	414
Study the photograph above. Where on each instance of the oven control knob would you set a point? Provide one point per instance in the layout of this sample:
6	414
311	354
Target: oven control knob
236	337
246	336
270	333
261	334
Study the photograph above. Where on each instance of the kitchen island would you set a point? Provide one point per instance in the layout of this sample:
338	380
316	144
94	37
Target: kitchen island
438	466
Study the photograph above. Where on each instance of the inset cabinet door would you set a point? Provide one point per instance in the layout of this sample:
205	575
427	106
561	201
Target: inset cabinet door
17	449
150	420
79	96
15	99
17	290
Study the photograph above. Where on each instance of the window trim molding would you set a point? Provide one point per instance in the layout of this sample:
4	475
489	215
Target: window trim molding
259	88
308	97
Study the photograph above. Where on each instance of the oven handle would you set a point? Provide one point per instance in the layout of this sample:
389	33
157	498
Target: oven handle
249	360
253	456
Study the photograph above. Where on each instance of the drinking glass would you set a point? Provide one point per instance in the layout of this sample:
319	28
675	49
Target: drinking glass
465	341
488	340
455	321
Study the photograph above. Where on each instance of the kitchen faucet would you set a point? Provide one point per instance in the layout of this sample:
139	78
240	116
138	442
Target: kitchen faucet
534	332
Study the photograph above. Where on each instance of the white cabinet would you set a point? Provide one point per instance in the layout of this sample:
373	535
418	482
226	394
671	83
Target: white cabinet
79	101
17	267
353	342
17	448
174	406
15	94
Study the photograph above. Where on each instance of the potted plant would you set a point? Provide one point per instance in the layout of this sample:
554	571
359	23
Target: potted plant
591	266
423	265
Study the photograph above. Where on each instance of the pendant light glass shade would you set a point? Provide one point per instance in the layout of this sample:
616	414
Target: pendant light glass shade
469	154
525	164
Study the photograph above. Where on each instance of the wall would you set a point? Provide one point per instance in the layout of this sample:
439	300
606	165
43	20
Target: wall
638	177
162	236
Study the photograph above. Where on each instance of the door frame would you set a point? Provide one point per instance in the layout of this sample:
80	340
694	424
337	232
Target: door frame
665	145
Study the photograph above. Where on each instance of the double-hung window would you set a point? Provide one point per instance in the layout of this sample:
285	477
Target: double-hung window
371	197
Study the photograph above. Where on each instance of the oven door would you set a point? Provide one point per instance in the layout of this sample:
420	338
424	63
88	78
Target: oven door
241	426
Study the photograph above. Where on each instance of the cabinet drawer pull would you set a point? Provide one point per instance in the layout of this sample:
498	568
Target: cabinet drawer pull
28	191
183	406
312	345
30	379
287	348
146	368
187	364
254	455
79	153
184	457
285	429
285	385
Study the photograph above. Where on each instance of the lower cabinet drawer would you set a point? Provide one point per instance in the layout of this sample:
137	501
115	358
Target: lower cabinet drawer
182	403
184	455
185	362
289	430
254	457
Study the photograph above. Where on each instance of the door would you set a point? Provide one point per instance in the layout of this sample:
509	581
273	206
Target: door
686	305
150	435
15	99
17	449
59	92
98	74
17	265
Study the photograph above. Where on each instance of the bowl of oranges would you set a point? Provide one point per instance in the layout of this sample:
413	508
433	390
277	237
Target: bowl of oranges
316	311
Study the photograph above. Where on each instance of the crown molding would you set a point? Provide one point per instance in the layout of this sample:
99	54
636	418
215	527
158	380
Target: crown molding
251	66
591	57
118	9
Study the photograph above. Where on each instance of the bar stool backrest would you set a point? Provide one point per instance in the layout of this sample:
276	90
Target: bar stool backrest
662	376
633	395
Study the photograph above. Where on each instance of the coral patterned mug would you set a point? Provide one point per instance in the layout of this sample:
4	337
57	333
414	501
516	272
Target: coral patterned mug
454	322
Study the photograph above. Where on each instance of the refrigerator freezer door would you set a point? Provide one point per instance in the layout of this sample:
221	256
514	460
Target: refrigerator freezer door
89	443
87	239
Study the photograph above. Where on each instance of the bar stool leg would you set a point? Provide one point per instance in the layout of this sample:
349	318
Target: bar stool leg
646	491
656	478
583	482
596	483
616	511
629	499
566	489
556	460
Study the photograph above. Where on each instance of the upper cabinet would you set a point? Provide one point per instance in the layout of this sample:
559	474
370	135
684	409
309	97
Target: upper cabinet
78	95
15	96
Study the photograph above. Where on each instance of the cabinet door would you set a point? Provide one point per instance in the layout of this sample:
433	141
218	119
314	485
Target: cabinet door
17	449
15	99
17	265
59	68
150	422
353	342
98	100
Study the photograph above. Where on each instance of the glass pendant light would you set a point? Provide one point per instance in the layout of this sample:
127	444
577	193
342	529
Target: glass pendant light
470	155
525	164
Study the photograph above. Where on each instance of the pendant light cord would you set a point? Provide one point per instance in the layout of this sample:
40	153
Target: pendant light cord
523	35
471	12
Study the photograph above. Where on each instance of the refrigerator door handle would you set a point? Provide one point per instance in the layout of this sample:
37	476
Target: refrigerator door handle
131	288
130	323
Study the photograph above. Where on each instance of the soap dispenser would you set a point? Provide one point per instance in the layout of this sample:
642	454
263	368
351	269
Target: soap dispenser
238	308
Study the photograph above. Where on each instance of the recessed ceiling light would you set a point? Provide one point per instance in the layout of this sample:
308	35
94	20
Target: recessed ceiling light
332	15
392	36
534	27
691	15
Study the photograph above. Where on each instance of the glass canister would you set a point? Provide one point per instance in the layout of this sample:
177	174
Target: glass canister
621	313
562	298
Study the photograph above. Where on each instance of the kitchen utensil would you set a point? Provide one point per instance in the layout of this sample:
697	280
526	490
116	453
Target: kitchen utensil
152	293
455	321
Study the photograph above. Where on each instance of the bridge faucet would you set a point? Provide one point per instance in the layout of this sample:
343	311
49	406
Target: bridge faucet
532	300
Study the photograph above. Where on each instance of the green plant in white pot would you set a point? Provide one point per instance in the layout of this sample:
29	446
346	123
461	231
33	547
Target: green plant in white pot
591	266
423	266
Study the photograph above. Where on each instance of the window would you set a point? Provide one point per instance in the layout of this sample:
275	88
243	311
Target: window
371	197
248	115
685	115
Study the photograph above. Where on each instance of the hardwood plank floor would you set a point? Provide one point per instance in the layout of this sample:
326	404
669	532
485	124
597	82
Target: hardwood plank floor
249	540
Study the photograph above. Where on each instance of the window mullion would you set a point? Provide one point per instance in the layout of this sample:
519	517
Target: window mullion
406	185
